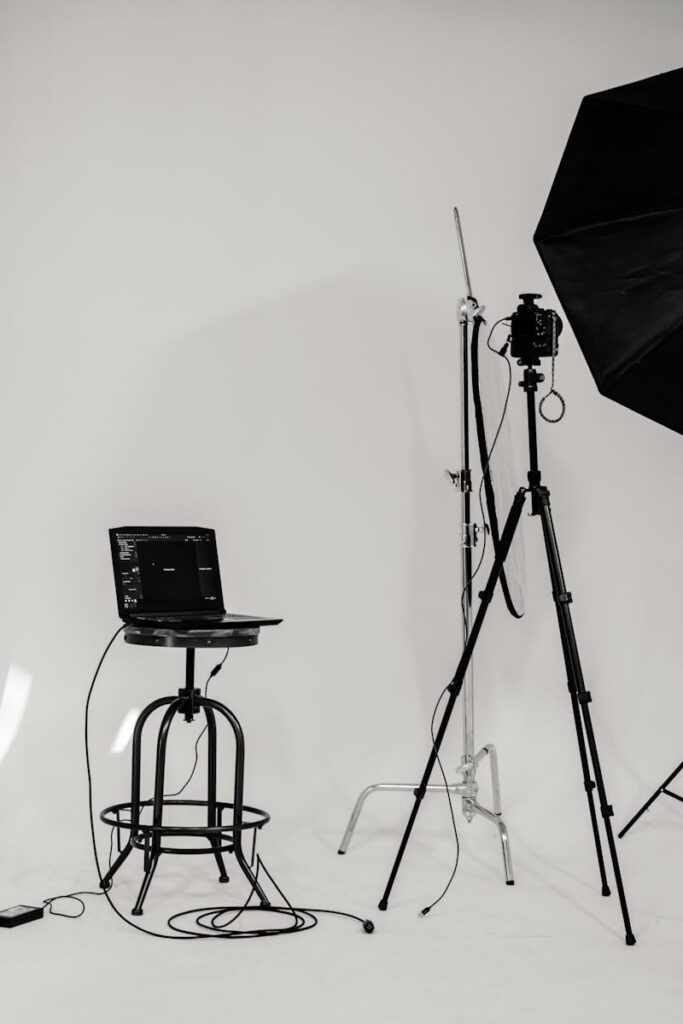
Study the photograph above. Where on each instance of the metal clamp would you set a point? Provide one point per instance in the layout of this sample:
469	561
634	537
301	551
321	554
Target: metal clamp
470	535
461	479
468	309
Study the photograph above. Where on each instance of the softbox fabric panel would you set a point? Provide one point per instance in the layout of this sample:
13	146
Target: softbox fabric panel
611	239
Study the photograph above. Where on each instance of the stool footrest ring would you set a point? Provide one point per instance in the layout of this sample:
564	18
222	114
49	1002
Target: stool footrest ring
257	819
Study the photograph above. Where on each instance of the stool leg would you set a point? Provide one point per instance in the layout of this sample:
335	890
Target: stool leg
135	786
146	881
153	858
212	819
238	797
106	881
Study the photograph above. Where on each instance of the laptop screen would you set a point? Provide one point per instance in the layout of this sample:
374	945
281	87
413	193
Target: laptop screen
163	569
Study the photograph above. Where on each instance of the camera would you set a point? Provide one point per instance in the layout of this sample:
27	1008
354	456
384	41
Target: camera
533	331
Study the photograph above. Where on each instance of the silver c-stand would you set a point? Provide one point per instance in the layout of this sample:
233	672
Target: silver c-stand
468	789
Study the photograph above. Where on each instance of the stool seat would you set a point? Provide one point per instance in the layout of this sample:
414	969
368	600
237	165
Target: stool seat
152	636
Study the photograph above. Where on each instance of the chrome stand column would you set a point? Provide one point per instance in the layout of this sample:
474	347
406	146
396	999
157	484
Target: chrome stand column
468	789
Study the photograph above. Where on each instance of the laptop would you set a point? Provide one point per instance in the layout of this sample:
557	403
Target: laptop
168	577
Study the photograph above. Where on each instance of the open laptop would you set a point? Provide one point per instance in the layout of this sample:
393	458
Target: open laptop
168	577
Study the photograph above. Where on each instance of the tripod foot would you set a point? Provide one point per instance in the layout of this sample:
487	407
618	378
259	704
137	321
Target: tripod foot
341	852
630	939
136	913
382	904
606	890
510	881
223	878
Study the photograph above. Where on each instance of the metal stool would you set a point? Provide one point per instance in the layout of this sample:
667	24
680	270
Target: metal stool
222	837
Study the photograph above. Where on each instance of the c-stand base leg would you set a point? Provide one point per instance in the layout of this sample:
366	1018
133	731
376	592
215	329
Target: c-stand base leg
457	788
467	791
496	815
497	820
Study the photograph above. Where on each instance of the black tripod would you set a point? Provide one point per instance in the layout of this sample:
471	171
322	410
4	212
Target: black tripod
580	696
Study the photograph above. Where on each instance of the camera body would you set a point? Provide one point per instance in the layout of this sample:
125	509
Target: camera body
533	331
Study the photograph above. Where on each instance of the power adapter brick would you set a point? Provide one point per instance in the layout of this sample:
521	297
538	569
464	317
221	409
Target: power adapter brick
11	917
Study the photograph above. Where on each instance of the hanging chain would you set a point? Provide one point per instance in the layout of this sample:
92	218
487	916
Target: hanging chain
553	390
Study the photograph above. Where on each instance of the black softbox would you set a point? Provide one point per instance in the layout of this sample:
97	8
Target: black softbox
611	239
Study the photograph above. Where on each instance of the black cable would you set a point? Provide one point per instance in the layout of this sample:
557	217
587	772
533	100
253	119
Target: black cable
303	918
208	918
486	467
76	896
86	892
214	929
503	354
214	672
468	584
493	528
426	910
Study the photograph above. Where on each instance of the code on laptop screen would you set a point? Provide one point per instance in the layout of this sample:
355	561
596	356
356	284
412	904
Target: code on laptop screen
166	570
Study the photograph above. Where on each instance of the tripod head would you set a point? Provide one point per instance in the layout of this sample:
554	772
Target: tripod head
530	381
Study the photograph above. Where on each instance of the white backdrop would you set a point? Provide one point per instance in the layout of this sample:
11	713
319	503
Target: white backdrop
230	299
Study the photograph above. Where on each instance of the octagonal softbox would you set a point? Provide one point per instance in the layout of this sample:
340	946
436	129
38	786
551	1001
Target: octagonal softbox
611	240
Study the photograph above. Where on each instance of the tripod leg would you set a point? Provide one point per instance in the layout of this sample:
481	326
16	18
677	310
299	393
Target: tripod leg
588	783
589	787
580	695
458	679
660	789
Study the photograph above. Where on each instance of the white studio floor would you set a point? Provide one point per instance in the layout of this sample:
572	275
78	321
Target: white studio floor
548	949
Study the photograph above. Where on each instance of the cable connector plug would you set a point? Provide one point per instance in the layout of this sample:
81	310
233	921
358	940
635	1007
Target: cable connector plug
424	911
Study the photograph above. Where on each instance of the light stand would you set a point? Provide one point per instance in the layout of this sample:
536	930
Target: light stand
468	789
580	696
